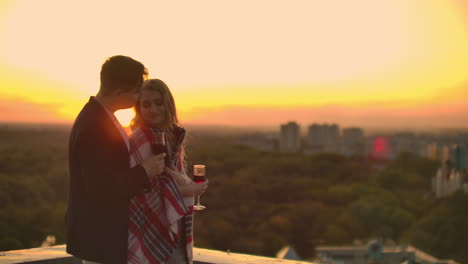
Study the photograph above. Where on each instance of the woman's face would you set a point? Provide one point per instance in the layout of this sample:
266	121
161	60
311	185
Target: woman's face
152	108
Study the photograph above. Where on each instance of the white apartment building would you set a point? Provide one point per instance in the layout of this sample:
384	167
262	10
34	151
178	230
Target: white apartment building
448	181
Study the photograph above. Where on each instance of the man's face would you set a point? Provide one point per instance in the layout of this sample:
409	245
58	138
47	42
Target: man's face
128	96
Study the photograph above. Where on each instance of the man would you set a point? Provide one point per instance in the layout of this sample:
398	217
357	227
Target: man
101	180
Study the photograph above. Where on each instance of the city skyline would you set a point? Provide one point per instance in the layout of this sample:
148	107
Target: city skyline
385	65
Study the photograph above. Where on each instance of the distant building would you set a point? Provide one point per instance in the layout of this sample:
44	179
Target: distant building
456	153
449	180
376	253
353	141
290	137
406	142
378	148
457	156
288	252
323	138
465	181
433	151
445	154
453	175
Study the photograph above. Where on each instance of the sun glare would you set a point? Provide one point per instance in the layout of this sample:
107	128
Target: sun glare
125	116
299	54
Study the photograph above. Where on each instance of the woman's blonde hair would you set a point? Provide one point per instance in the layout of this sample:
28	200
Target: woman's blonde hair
170	113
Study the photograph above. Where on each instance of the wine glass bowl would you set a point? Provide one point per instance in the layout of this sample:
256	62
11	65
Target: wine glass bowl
158	144
199	174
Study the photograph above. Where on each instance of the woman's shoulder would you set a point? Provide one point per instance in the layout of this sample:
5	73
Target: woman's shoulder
179	134
137	135
135	132
139	143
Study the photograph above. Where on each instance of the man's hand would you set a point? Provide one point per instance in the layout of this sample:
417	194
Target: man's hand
154	165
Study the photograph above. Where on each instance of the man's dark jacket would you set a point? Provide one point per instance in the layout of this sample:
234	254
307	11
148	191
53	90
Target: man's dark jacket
101	185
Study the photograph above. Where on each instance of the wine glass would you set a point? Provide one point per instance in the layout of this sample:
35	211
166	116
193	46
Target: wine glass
158	145
199	176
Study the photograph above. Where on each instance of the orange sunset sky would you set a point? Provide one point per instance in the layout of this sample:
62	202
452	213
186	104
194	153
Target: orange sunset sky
370	63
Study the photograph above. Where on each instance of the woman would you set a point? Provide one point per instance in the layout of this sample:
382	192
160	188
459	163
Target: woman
160	226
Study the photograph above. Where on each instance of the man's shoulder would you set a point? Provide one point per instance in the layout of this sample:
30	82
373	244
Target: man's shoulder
89	118
91	111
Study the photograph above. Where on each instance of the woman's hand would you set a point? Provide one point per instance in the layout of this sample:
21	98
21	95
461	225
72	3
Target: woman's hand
200	188
193	189
186	186
181	179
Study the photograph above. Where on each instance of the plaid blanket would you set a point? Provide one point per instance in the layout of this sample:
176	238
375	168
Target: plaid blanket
154	229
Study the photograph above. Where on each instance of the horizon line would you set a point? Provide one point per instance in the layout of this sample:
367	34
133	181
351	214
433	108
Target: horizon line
270	127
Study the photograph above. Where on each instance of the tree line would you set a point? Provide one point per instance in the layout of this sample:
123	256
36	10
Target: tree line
257	201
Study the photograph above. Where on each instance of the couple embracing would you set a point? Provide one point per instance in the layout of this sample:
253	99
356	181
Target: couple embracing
126	204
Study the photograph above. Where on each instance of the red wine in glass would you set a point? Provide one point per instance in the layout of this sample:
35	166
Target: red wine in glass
159	146
199	177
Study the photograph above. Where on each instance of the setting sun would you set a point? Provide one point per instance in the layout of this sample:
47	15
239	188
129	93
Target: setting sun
125	116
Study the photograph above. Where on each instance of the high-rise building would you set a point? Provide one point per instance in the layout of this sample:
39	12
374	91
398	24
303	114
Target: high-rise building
290	137
353	141
457	156
323	138
378	148
448	180
445	154
433	151
406	142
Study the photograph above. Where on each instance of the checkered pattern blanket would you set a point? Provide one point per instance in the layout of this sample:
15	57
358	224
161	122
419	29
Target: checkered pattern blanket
154	229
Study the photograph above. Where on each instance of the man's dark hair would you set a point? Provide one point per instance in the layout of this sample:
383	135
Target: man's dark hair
121	70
